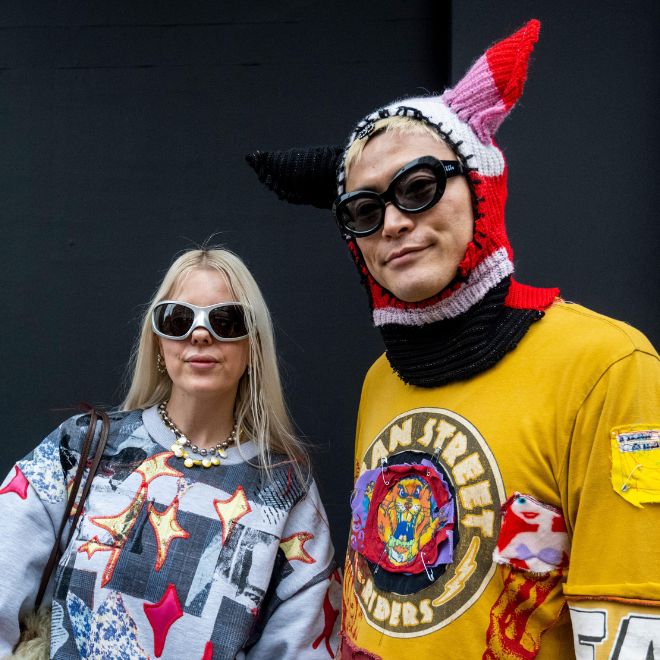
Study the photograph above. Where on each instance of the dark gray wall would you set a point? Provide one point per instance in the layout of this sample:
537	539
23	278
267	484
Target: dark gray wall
123	128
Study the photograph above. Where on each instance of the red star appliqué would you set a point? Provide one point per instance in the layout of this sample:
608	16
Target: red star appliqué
162	615
330	614
18	485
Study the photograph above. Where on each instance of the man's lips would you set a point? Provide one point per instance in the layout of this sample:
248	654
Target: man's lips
402	252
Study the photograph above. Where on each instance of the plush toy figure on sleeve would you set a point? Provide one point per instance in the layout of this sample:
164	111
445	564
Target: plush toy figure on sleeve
507	457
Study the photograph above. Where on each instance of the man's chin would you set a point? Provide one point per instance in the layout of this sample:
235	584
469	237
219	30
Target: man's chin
415	282
414	293
415	285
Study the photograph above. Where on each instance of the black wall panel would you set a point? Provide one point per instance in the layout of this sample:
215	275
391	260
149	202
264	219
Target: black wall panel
123	129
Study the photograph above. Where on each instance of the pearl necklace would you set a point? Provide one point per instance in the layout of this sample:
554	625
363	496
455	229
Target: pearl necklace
209	456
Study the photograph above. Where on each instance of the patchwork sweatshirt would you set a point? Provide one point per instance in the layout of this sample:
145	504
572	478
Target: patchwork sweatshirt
166	561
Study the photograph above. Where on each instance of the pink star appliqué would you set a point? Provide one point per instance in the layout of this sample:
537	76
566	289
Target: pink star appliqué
162	615
19	484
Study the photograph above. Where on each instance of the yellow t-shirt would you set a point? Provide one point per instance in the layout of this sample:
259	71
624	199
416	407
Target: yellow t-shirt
566	425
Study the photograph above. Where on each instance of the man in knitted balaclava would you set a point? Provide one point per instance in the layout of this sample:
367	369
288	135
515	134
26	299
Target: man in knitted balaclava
506	465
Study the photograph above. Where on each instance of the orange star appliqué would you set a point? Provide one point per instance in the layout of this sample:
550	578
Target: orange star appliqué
293	547
120	527
121	524
157	466
231	510
93	546
166	528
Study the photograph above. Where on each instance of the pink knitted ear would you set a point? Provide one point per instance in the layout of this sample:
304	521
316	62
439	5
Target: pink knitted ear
488	91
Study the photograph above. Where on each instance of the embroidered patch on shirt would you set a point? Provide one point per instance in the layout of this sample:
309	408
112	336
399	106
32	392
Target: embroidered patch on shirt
636	462
639	440
533	545
533	536
403	521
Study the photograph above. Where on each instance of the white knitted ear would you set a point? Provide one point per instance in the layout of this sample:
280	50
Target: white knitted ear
485	95
487	158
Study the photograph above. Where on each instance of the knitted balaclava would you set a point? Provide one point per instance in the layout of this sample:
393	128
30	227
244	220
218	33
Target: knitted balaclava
467	117
482	294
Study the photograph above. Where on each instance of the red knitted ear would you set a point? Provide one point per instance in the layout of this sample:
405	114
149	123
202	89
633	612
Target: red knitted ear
485	95
508	60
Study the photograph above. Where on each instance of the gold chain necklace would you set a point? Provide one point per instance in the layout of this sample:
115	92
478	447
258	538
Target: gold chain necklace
210	457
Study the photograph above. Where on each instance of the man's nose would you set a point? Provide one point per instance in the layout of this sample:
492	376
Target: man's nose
396	222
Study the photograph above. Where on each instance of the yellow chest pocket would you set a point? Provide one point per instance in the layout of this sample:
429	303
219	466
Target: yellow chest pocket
636	462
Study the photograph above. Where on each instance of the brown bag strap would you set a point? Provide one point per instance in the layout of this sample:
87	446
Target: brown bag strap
75	486
100	448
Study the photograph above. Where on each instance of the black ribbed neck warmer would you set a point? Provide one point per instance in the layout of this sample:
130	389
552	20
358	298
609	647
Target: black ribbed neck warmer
458	348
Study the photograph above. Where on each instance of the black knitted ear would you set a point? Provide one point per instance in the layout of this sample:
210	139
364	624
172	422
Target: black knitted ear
300	176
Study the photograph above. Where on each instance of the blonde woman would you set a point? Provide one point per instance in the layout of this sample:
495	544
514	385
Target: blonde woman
203	535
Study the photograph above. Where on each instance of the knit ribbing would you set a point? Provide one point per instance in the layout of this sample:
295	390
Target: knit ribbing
523	296
299	176
459	348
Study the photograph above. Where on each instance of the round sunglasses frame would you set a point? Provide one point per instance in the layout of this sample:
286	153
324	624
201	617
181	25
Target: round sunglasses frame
443	170
201	319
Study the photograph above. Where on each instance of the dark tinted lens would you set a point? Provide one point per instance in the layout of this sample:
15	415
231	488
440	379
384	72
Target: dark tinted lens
362	213
173	319
417	189
228	321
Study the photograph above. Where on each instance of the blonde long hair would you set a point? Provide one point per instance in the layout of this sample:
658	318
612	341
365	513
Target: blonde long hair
260	409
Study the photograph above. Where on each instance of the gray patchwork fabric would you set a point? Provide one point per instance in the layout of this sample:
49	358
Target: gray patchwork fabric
167	561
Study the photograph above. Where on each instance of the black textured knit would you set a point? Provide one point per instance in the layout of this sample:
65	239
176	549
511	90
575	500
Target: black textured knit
459	348
300	176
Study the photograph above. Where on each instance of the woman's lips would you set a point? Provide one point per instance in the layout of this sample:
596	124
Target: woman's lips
201	362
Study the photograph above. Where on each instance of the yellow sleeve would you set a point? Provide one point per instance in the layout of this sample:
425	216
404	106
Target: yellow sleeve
366	406
358	429
612	490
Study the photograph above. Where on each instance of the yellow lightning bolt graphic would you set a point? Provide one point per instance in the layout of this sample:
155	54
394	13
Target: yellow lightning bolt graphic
464	570
120	525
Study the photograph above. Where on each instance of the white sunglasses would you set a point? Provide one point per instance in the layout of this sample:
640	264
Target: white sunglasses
173	319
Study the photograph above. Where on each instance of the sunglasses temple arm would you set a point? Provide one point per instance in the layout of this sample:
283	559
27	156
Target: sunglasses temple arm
452	168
